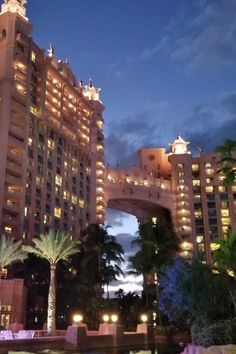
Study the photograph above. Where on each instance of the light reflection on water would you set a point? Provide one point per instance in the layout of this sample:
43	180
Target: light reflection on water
161	350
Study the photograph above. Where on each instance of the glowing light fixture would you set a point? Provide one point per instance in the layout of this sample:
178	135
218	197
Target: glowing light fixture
105	318
144	318
77	318
114	318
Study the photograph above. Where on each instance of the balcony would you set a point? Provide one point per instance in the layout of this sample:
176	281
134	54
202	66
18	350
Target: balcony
10	220
16	132
13	193
12	206
14	168
14	180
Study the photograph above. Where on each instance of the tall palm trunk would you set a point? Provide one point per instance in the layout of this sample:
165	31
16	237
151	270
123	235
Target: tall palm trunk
51	322
0	292
158	312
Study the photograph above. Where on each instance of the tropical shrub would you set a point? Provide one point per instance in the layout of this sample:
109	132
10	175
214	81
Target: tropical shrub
218	333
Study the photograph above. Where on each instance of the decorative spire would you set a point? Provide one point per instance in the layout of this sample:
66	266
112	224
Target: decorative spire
179	146
51	51
17	6
91	92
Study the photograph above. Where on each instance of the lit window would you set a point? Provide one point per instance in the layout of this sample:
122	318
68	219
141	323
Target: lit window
195	167
81	203
33	56
225	229
154	220
209	189
57	212
234	188
214	246
51	144
100	124
196	182
222	189
180	165
74	199
198	214
200	239
26	211
225	221
224	205
8	229
66	195
58	180
225	212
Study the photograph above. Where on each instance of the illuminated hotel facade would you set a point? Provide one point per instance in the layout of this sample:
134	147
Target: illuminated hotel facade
188	186
51	137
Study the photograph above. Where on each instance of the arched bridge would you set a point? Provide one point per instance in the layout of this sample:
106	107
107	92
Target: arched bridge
138	193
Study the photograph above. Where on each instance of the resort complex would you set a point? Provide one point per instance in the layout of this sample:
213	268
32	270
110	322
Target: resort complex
55	189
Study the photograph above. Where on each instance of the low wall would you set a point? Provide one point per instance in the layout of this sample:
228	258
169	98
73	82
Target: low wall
108	336
78	338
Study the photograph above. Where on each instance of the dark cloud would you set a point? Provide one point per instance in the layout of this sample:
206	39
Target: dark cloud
228	100
115	217
125	239
207	139
209	41
128	135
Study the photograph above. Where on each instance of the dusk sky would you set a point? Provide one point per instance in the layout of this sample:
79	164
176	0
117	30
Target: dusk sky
164	66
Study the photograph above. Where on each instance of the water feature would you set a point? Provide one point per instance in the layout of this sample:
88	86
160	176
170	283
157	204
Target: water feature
155	350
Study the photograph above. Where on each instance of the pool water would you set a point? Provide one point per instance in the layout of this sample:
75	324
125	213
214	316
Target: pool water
155	350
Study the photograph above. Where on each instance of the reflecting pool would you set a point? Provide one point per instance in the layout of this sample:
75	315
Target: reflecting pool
154	350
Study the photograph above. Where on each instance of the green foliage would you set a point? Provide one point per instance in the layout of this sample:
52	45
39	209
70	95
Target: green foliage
102	255
218	333
225	256
227	162
53	246
130	307
191	292
157	244
10	251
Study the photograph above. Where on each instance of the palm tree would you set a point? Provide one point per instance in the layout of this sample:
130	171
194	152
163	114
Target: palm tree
224	259
157	243
104	252
54	247
112	259
227	162
10	252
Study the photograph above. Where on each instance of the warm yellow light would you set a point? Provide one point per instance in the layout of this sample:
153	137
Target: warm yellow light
114	318
77	318
144	318
105	318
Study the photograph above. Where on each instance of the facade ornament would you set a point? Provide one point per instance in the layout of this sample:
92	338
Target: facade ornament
51	51
179	146
15	6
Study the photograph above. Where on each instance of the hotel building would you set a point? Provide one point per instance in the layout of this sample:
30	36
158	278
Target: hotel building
187	186
51	137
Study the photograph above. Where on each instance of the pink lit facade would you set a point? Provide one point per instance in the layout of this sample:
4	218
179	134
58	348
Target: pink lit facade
188	187
51	137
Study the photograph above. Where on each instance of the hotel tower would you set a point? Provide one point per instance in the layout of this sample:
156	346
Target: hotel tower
51	138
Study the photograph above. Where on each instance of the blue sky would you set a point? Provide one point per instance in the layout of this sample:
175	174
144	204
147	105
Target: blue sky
164	66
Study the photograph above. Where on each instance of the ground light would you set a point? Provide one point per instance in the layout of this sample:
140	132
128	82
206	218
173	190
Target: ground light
114	318
77	318
144	318
105	318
